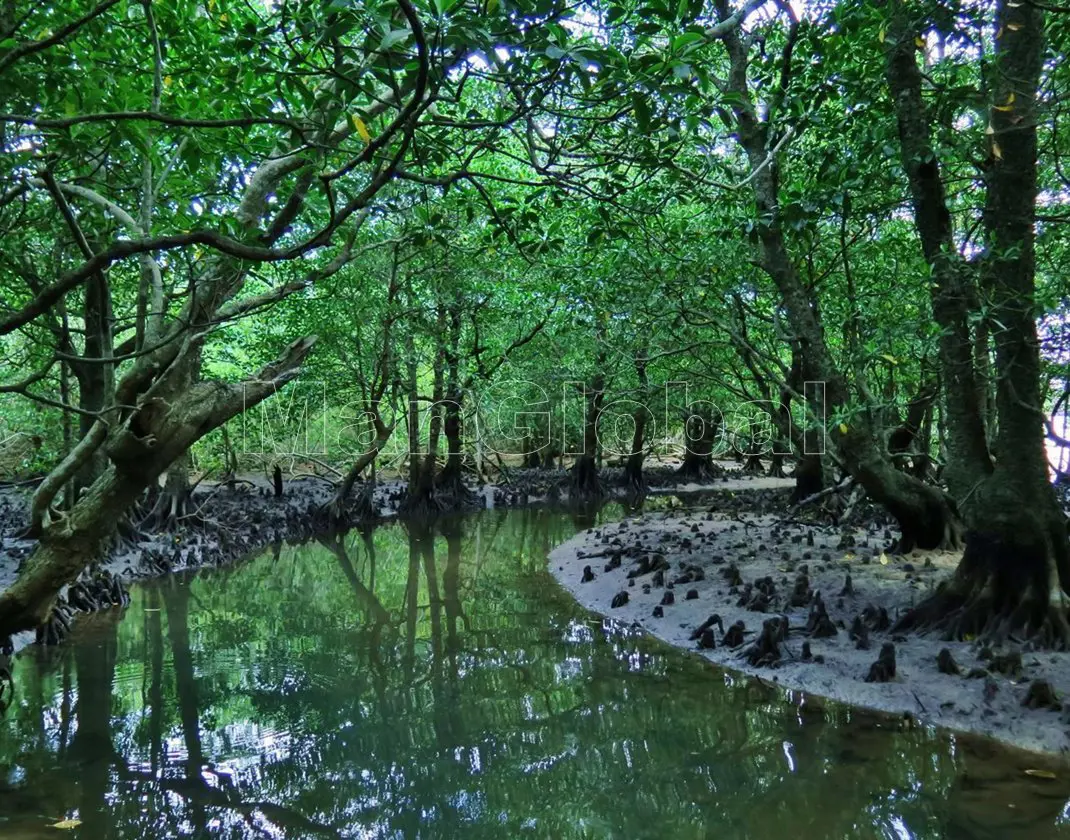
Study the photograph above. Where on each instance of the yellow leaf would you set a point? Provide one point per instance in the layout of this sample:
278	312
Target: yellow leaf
882	35
1008	105
66	825
1014	27
843	428
167	81
361	128
999	33
990	129
223	18
1041	774
919	42
997	152
884	559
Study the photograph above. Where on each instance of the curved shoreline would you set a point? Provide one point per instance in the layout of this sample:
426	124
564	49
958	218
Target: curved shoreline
244	518
988	705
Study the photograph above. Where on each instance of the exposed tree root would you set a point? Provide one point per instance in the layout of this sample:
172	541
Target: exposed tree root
927	520
776	466
809	478
753	466
633	480
697	469
584	482
169	507
340	515
453	493
1003	590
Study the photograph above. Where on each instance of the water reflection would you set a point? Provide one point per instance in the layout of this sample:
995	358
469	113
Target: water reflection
433	682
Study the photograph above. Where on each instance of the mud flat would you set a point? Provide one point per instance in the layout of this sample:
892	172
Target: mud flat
670	572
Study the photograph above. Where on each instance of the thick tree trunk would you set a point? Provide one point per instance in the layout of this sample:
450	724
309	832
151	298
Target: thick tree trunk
700	439
585	483
926	517
1015	572
149	440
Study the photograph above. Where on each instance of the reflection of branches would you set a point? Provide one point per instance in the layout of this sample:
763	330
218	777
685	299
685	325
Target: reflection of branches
365	596
204	795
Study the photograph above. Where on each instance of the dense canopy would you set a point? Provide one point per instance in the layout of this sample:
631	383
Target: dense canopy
443	238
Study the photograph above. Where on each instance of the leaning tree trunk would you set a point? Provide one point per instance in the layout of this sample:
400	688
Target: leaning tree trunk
365	506
927	518
151	437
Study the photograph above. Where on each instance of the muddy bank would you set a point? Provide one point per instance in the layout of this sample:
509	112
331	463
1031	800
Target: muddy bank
225	522
736	560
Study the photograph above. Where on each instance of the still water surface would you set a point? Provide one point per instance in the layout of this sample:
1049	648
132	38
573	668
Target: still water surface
415	683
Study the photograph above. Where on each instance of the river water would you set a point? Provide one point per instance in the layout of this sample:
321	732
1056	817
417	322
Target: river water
416	682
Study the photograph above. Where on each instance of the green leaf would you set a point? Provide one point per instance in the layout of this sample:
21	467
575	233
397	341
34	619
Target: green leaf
641	107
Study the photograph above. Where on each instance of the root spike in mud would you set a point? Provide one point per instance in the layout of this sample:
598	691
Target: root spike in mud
767	583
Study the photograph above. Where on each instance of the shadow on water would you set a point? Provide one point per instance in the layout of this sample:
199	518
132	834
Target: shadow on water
431	680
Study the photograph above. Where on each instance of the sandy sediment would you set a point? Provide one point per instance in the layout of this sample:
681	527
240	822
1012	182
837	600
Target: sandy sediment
717	561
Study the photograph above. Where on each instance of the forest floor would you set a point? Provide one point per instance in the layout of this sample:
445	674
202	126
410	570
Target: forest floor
735	556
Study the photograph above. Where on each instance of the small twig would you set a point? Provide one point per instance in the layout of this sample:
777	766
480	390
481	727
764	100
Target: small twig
846	484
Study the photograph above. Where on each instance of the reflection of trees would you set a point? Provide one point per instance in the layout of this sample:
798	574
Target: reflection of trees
430	681
92	748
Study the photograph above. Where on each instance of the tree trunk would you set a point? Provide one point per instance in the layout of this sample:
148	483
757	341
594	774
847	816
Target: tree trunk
1015	572
365	508
149	440
450	486
700	438
585	483
96	380
634	480
926	517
